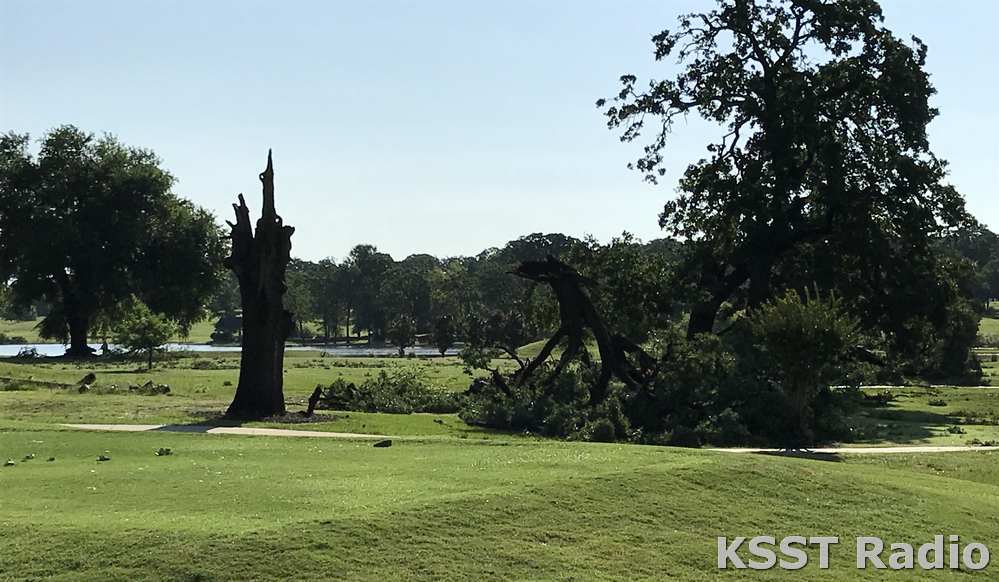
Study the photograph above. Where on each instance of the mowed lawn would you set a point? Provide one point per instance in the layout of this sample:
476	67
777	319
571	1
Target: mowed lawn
200	332
989	326
244	508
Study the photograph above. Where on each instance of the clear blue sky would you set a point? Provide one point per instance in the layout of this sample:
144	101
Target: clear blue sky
422	126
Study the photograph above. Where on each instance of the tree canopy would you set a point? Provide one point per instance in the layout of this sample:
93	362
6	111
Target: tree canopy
112	228
823	149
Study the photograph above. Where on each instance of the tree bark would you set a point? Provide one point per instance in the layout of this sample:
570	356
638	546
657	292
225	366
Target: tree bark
577	313
259	261
79	329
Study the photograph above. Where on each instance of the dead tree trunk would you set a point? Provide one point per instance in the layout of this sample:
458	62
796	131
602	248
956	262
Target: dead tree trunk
259	261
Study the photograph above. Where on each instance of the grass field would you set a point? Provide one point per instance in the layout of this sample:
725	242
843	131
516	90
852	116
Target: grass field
989	328
242	508
448	501
200	333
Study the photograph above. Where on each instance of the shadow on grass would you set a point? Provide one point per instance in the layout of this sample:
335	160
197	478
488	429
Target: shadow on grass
205	420
879	425
805	454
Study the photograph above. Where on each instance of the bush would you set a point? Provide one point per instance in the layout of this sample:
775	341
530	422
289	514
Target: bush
802	346
879	399
401	391
558	408
12	339
724	428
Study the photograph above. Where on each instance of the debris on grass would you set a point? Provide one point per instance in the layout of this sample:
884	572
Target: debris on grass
383	444
162	452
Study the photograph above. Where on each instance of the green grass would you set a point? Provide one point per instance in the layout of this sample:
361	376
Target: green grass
956	416
200	333
448	501
200	395
988	326
240	508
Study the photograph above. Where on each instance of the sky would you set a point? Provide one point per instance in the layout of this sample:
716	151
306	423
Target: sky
443	127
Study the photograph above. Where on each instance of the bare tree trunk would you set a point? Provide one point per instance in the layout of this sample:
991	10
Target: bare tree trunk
259	261
79	329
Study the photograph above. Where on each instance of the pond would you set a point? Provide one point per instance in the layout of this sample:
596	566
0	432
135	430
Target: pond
9	350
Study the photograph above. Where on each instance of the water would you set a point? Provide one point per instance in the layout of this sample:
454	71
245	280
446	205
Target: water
59	349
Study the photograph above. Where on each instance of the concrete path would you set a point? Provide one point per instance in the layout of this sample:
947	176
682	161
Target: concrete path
243	430
283	432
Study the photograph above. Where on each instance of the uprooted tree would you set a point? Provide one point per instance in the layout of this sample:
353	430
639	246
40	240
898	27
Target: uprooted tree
259	260
576	315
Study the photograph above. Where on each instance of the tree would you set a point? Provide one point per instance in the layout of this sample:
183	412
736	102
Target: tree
368	269
443	334
259	260
111	228
825	114
298	297
406	290
401	332
140	329
329	300
806	342
631	283
225	300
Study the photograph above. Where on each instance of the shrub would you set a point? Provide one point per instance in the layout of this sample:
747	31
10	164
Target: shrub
802	345
558	407
724	428
12	339
220	364
400	391
879	399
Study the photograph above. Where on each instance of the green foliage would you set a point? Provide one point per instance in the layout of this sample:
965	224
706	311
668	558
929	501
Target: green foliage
444	334
822	172
298	298
803	346
12	339
139	329
401	332
112	228
632	282
399	391
558	408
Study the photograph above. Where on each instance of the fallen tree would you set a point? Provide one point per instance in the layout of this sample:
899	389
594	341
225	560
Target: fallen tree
576	315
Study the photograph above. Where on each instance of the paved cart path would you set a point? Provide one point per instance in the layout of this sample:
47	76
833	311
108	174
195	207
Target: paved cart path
243	430
283	432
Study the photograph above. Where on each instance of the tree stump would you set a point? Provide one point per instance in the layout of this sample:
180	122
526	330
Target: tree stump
314	401
259	261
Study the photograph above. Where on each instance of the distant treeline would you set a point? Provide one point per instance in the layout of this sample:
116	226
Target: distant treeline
638	286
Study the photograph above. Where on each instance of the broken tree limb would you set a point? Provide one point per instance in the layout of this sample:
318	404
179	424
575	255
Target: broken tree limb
577	314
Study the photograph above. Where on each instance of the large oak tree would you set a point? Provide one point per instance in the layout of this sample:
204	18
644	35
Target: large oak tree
88	222
823	149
